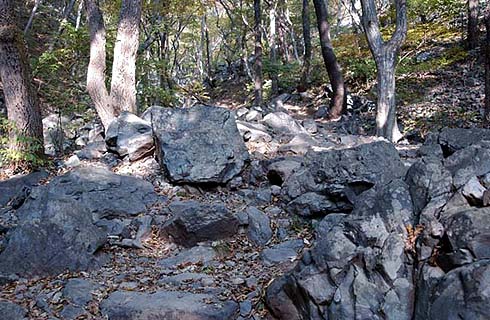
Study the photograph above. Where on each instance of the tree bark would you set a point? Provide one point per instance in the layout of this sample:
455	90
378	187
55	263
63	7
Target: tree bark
473	32
96	86
258	54
338	102
123	84
305	73
385	55
487	64
273	49
20	97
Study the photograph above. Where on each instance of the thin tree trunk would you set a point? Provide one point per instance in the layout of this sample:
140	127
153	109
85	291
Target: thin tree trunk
37	3
487	64
20	97
386	122
79	15
305	74
473	24
258	55
385	55
273	48
123	84
338	102
97	64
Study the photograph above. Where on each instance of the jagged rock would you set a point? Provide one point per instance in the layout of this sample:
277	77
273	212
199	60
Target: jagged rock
259	228
279	171
129	135
57	230
454	139
310	126
198	254
282	252
283	123
198	145
12	311
253	115
79	291
194	222
341	175
14	187
469	162
466	238
312	204
170	305
474	191
461	294
358	267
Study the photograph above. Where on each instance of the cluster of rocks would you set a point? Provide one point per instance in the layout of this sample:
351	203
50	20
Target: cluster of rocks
414	245
393	239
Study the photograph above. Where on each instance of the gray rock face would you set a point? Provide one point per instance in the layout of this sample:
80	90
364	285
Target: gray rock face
194	222
253	131
198	145
130	135
279	171
282	253
358	267
13	187
462	294
12	311
469	162
57	230
454	139
93	150
341	175
259	227
169	305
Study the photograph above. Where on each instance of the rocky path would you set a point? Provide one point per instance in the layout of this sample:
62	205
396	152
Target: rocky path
269	215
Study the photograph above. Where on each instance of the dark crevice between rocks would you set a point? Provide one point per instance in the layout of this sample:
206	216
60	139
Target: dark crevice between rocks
359	187
274	178
442	254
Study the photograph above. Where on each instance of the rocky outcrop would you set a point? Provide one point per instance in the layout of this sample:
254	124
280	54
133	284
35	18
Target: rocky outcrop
198	145
57	224
413	248
329	181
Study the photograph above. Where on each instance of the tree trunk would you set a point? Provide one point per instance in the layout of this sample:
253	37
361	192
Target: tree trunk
385	55
386	124
338	102
20	97
123	84
473	24
258	55
37	3
487	65
97	65
305	74
273	48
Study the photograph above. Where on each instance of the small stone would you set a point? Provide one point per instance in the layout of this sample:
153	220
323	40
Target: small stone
245	308
72	162
238	281
128	285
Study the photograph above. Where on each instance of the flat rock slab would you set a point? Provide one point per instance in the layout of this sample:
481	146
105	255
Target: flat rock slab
198	145
168	305
194	222
281	253
198	254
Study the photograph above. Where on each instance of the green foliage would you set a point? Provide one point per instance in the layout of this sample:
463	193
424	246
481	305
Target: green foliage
435	8
28	156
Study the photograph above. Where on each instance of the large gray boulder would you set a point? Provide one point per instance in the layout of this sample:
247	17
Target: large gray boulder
454	139
169	305
57	231
129	135
339	176
358	267
193	222
198	145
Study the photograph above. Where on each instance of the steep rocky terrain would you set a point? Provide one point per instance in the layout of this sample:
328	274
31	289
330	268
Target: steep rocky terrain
203	213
